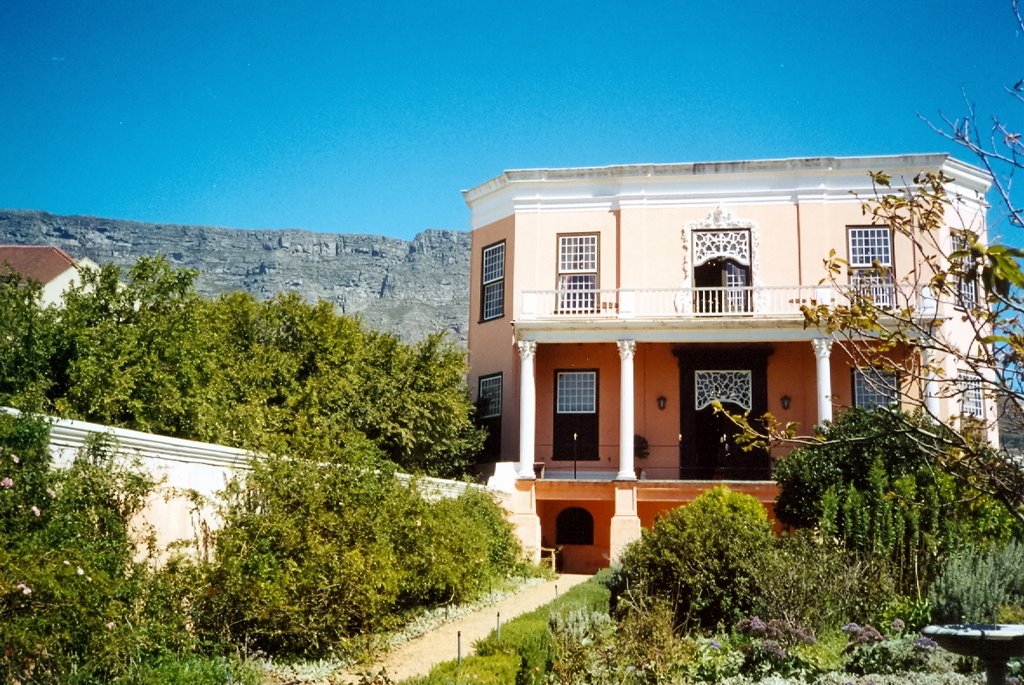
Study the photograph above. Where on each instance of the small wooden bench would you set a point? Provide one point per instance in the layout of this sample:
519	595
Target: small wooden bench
552	554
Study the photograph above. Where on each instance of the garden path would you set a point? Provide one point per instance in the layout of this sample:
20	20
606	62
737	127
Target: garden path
419	655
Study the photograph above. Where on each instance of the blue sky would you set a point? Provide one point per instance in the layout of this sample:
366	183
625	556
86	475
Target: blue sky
371	117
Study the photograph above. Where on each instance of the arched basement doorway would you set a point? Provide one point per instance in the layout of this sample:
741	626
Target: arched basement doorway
574	526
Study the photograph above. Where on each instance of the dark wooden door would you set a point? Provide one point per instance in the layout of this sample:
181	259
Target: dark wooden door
707	446
575	429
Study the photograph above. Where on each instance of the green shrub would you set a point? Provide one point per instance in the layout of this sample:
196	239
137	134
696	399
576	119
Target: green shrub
645	643
456	549
871	653
312	555
78	597
868	485
580	640
528	638
976	584
703	558
817	585
913	614
839	678
191	670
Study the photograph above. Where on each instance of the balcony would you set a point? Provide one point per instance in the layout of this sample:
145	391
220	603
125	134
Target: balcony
699	303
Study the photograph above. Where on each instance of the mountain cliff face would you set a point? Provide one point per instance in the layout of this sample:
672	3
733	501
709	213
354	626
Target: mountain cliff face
410	288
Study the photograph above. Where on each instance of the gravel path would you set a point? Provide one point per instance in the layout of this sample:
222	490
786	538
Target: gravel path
419	655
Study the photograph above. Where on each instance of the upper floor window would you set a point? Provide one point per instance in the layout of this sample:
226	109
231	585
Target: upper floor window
873	387
972	396
870	251
966	277
493	281
577	273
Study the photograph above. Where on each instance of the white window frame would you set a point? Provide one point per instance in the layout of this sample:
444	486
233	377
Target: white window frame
870	385
488	395
492	278
966	287
972	395
578	272
576	392
870	252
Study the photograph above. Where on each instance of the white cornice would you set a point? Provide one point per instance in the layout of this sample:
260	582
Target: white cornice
823	179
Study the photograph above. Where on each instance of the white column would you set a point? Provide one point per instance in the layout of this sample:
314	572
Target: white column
527	408
822	351
627	348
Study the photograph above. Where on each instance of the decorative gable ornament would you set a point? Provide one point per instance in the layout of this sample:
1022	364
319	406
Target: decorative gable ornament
735	387
728	244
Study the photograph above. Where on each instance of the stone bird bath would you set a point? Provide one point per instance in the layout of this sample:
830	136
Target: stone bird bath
994	643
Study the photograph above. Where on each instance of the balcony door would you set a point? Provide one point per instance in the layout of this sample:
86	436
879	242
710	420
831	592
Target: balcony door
735	377
721	287
722	271
577	273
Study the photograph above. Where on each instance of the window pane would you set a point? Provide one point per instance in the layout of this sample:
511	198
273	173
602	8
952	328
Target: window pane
493	277
494	301
577	253
577	293
494	262
967	282
489	396
870	245
577	392
972	399
874	388
876	286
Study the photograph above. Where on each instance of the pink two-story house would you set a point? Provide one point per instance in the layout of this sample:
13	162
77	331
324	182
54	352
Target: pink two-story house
612	306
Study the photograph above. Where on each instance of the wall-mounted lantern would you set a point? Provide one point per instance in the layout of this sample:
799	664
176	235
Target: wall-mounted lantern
662	401
785	401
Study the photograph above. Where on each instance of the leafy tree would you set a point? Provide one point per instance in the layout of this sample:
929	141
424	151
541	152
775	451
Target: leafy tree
403	390
930	361
302	380
284	372
142	350
131	352
26	343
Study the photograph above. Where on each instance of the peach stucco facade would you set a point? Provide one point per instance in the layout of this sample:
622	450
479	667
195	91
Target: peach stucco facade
613	302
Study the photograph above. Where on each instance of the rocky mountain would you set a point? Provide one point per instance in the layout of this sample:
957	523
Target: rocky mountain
407	287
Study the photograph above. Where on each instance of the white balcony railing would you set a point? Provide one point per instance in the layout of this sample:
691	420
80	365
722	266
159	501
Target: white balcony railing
687	303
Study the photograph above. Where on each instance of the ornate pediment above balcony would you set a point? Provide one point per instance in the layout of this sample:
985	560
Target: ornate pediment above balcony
719	218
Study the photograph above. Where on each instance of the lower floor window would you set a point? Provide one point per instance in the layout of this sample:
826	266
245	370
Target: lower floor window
874	387
577	392
972	397
488	403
